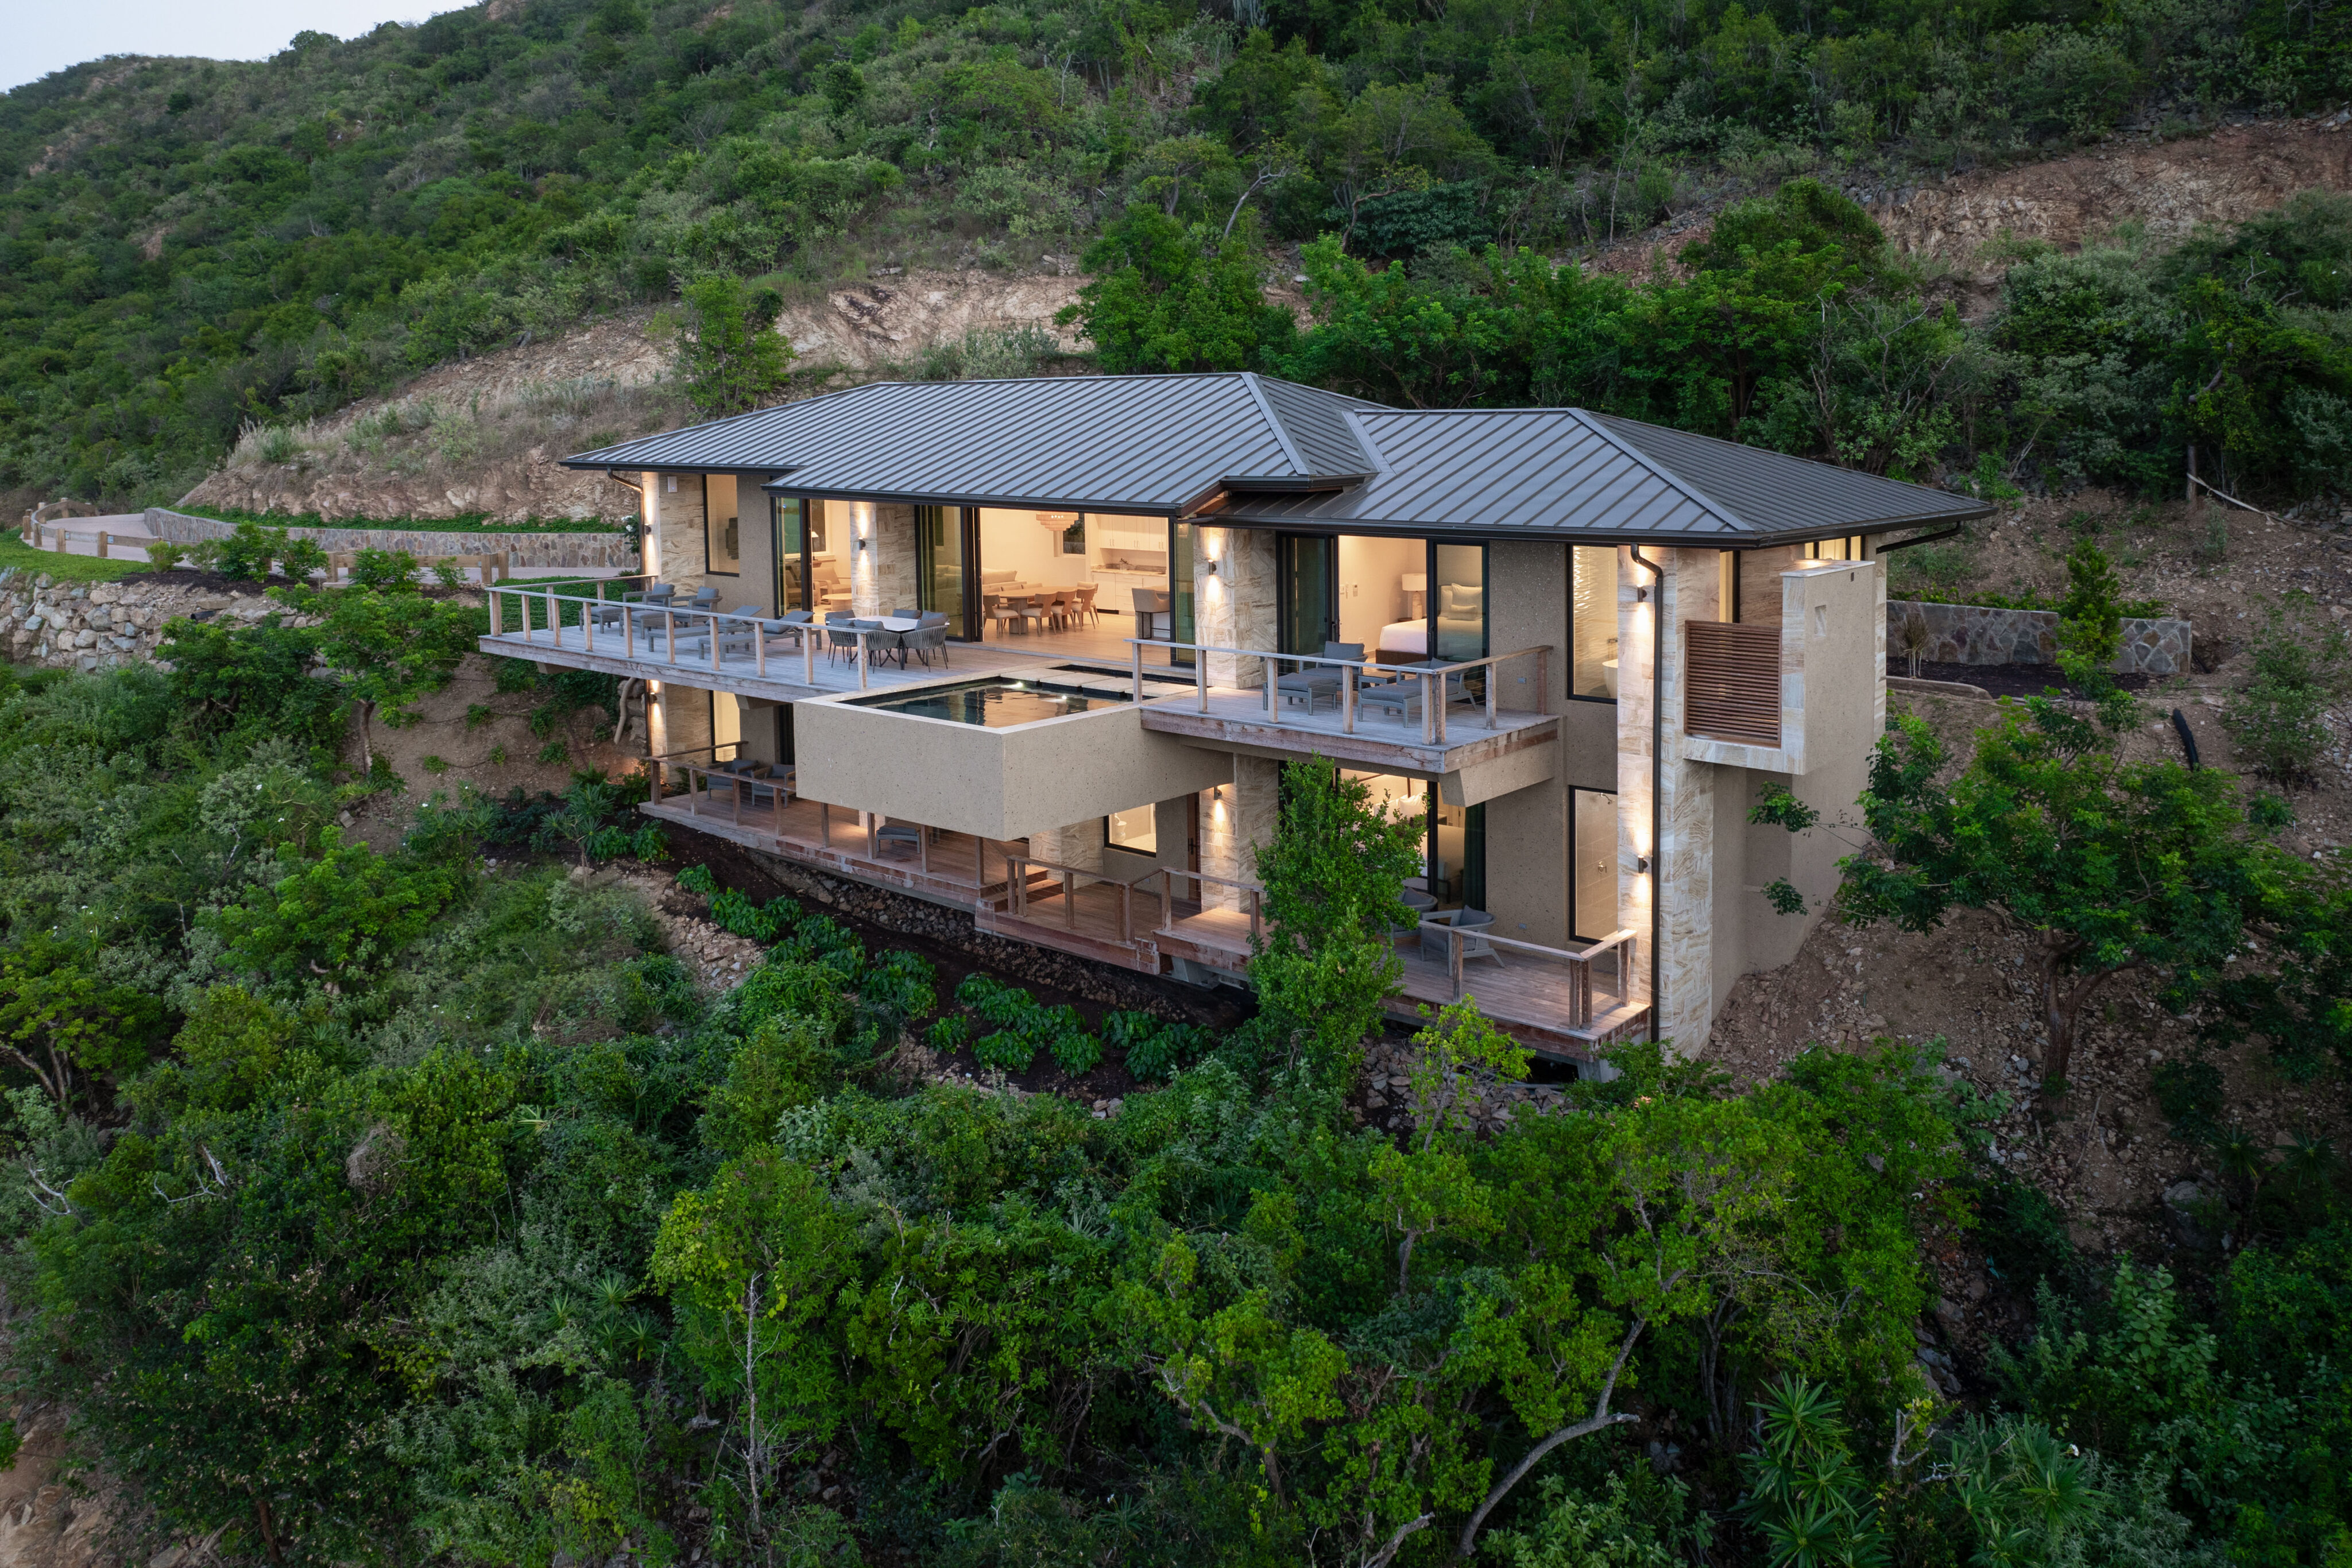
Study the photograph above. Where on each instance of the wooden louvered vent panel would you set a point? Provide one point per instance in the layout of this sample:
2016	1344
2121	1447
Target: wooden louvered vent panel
1733	682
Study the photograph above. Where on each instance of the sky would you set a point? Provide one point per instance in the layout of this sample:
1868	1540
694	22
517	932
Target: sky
50	36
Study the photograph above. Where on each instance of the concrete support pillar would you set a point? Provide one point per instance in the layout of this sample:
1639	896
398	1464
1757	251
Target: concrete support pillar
1235	818
1680	882
1234	606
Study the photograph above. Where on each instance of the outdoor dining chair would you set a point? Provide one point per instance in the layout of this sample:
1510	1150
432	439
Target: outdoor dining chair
1435	944
930	636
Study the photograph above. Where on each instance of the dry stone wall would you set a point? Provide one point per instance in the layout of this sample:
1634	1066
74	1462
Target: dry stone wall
1984	635
99	625
570	552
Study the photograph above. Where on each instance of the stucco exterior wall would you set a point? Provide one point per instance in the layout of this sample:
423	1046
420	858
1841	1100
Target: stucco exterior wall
1527	828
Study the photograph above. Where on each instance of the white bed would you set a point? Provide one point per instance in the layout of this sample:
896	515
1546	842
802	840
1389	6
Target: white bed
1405	637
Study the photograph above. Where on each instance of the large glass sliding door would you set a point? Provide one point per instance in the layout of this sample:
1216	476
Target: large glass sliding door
1308	612
1182	623
947	566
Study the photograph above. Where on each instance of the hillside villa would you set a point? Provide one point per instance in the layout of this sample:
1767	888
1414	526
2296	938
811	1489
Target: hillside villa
1038	649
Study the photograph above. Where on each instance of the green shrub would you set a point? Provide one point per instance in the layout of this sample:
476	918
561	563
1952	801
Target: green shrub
386	570
301	559
1077	1050
2278	718
1166	1049
947	1035
697	879
1008	1050
166	555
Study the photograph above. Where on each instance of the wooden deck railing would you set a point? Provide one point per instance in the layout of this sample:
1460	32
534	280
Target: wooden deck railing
1731	682
1578	962
1454	680
1017	888
542	616
1252	895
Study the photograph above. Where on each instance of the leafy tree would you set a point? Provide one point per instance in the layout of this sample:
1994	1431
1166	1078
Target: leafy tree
255	676
56	1016
2090	618
1805	1495
730	354
1334	876
1165	297
2109	866
336	917
389	646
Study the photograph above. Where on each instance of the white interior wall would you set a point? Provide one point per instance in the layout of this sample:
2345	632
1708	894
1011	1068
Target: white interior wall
1371	591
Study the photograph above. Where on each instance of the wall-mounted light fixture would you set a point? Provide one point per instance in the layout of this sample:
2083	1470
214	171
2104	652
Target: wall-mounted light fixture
1641	865
1641	596
1209	566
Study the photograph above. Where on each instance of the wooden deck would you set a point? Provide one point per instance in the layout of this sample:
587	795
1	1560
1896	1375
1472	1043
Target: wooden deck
1112	924
1529	999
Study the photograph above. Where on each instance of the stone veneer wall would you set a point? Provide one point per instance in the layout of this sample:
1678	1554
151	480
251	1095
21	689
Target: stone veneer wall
1233	607
567	551
1982	635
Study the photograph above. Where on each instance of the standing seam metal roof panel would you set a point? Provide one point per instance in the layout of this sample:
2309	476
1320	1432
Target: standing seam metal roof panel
1149	442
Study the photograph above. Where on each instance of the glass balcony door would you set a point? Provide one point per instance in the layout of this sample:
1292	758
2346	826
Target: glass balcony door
947	567
1307	566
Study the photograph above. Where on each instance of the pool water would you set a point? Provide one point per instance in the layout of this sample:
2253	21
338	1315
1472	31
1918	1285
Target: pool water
998	701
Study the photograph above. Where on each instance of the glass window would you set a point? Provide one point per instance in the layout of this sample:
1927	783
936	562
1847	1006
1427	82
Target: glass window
941	539
1593	622
722	536
1073	538
792	572
1181	623
1309	601
1460	602
1136	829
1593	882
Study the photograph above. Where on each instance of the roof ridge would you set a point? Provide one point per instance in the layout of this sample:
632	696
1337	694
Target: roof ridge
1281	431
1696	496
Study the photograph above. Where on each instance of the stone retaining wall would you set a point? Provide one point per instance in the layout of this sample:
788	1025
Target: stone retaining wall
97	625
572	552
1982	634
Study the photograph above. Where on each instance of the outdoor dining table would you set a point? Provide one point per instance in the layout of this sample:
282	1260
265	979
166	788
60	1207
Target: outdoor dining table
899	624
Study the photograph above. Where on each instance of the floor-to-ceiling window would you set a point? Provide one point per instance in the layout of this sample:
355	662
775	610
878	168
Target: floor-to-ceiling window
1307	610
721	532
1183	625
946	540
784	524
1593	622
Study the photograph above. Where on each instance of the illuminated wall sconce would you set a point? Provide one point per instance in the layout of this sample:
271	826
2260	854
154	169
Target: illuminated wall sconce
1641	865
1641	596
1209	566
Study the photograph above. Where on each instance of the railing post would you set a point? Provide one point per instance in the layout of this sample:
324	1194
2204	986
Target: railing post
555	619
711	625
1347	698
670	634
1272	684
864	660
1494	672
1201	676
1069	901
808	656
1135	667
495	601
759	649
1428	718
104	540
1258	915
692	807
1453	958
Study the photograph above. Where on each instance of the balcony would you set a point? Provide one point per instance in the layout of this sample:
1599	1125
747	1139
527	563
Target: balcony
1447	720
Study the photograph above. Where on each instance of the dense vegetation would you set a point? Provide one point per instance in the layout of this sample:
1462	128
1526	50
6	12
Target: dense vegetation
188	249
407	1201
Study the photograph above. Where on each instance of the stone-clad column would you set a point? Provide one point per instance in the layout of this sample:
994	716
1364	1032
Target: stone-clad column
1680	882
1234	819
1234	606
865	567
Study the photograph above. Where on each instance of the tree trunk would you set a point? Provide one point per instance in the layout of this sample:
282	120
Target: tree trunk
2057	1016
367	738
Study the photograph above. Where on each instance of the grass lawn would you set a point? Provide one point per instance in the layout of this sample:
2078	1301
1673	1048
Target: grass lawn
31	563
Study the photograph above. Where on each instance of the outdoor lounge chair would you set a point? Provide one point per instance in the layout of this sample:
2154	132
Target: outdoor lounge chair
1318	681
